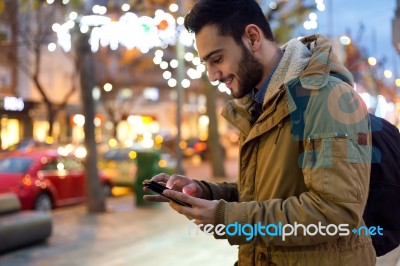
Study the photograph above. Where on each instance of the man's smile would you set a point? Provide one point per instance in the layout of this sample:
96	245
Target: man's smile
228	81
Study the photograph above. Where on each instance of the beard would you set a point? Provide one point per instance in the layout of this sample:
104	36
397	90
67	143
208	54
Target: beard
249	75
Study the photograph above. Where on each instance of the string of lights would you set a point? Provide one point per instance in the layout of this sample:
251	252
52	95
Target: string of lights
158	32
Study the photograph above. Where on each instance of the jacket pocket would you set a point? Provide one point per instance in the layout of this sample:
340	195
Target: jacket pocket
333	167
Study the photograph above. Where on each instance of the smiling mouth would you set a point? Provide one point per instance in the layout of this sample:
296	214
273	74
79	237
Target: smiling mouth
228	81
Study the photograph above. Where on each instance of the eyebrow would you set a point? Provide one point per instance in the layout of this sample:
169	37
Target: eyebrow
205	58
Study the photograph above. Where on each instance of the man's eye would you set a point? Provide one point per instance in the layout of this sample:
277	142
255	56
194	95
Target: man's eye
217	60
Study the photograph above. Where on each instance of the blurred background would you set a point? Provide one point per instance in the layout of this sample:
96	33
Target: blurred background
117	86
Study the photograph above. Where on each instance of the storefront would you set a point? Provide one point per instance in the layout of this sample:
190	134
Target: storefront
15	120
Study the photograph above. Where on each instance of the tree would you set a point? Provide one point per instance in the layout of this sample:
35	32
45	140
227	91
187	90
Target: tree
285	17
34	32
32	23
215	147
95	197
124	69
365	74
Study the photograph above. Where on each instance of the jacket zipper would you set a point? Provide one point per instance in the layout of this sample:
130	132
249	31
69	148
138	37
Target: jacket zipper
276	98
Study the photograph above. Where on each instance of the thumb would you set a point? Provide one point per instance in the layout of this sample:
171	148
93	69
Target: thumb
191	189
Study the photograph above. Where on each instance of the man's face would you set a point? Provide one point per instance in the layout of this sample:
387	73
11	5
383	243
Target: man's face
228	62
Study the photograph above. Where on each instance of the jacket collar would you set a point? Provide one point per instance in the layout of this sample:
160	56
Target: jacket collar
293	62
309	60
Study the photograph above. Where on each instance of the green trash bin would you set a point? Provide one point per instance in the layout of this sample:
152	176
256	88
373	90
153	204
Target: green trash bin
147	162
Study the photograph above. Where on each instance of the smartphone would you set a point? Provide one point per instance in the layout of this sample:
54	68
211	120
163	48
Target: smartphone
159	188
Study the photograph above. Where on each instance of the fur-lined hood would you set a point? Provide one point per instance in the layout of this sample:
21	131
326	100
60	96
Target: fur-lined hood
311	60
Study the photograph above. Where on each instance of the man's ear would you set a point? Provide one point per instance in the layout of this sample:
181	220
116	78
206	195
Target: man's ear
252	35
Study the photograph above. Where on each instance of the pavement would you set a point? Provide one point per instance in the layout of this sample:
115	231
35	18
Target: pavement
124	235
131	235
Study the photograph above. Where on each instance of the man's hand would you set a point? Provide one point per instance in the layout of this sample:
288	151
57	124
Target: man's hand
175	182
202	211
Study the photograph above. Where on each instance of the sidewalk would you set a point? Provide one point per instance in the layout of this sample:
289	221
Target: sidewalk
125	235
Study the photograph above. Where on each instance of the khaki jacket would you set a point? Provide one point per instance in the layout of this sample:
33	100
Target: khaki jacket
318	175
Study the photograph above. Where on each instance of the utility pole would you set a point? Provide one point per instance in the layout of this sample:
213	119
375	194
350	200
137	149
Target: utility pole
396	28
180	53
330	19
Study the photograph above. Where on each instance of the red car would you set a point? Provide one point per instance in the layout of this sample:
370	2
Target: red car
45	179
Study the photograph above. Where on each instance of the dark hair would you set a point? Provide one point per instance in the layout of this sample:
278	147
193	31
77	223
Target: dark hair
230	16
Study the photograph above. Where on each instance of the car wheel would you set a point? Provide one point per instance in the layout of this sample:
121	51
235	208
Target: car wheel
43	203
107	190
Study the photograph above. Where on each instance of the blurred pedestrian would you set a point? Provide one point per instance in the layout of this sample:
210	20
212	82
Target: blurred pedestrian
304	143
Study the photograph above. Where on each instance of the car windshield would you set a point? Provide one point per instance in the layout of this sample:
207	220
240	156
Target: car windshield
15	165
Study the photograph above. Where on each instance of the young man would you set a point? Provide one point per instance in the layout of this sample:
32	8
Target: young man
304	144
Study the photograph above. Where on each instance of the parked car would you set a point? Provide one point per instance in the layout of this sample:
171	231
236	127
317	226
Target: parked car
120	164
29	144
45	179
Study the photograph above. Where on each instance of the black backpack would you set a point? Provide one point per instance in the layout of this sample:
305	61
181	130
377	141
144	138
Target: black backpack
383	205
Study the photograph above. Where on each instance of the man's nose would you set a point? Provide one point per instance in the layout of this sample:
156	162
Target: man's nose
213	74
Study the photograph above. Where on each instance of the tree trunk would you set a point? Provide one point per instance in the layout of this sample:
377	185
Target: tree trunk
215	150
94	194
112	118
114	131
51	114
